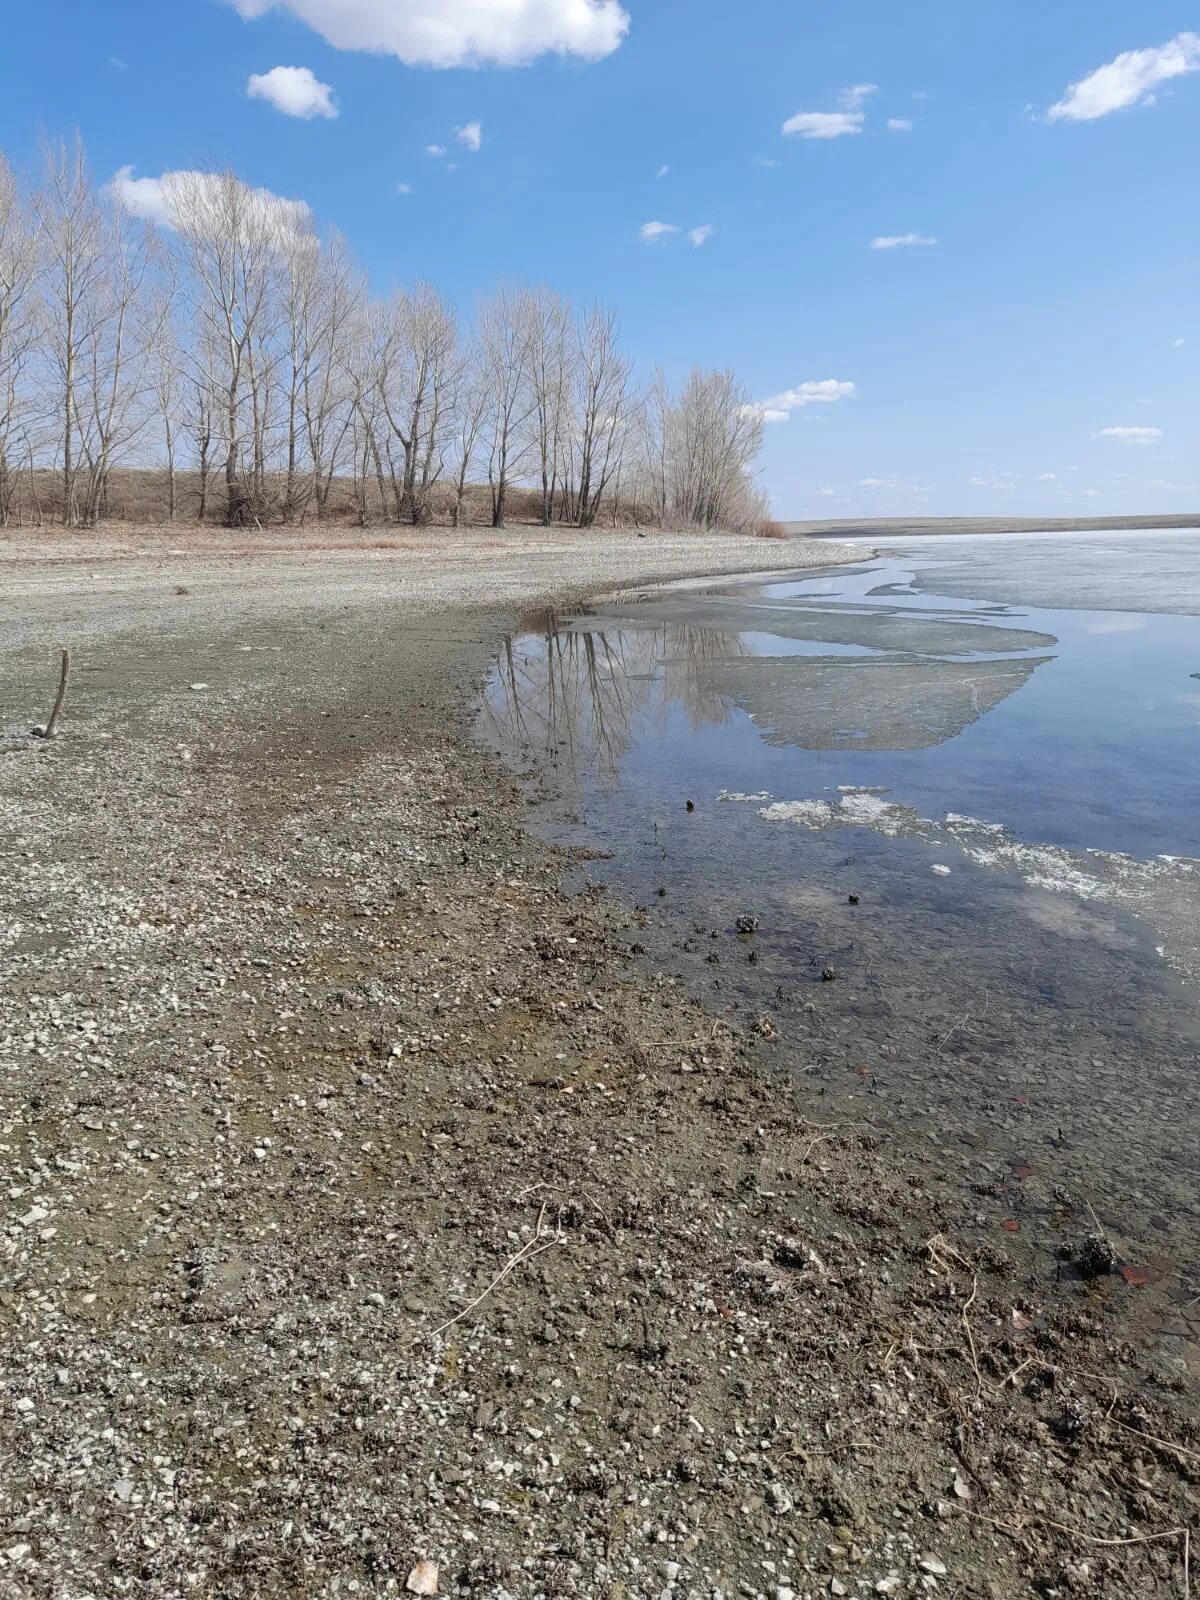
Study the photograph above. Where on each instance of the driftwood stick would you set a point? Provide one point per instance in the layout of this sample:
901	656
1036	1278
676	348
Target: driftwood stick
63	679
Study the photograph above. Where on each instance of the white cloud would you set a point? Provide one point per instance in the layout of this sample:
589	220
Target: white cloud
900	125
1178	344
826	489
1047	477
662	171
878	483
833	124
701	235
1130	80
765	161
295	91
1131	435
158	200
650	231
404	188
824	124
459	33
471	135
854	98
900	241
437	151
816	392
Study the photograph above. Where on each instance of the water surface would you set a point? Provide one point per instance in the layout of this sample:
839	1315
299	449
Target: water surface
990	744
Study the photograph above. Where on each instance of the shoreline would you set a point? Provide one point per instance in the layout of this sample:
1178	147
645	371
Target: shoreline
417	1221
959	527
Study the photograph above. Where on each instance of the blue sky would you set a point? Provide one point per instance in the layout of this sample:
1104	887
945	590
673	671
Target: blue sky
1049	311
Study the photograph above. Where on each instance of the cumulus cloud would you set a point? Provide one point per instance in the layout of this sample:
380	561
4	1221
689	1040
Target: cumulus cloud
459	33
437	151
404	188
650	231
824	124
1131	435
1047	477
1130	80
816	392
900	125
900	241
471	136
1178	344
163	201
848	119
879	483
702	234
295	91
826	489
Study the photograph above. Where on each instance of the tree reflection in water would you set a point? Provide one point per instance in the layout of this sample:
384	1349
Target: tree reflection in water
577	695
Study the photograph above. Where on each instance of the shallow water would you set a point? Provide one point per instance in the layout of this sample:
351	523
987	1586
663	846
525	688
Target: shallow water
992	743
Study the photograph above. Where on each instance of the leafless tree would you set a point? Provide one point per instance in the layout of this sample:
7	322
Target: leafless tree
470	413
72	239
552	351
241	342
330	314
18	332
505	343
417	375
604	408
234	240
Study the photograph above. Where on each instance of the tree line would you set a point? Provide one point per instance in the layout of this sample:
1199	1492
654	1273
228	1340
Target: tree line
241	353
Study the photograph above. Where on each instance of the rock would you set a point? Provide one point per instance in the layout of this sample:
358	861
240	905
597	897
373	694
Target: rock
1096	1257
933	1565
423	1579
17	1552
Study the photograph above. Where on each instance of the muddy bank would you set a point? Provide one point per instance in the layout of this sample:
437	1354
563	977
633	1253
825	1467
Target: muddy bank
366	1203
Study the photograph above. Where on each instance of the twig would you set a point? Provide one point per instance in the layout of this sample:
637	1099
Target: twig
966	1319
64	676
533	1247
1095	1539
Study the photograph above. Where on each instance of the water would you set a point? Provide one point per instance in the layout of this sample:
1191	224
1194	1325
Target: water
992	743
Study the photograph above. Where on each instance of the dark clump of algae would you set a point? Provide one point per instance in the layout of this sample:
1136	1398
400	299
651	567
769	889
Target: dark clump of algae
1026	1048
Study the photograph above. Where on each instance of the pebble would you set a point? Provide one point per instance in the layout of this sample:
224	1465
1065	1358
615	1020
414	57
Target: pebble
933	1565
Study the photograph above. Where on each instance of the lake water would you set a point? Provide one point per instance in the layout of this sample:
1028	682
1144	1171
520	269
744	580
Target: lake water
963	778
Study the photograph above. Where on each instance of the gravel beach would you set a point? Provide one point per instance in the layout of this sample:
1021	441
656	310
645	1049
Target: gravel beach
370	1209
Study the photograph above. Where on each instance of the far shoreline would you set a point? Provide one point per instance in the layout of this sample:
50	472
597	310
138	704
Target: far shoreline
932	527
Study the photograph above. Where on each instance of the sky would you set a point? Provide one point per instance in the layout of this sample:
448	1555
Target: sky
953	250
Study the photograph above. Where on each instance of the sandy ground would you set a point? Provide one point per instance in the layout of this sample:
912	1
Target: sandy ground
55	587
368	1203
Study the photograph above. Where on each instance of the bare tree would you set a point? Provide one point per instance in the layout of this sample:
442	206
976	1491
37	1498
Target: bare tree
72	237
604	406
115	407
417	366
331	312
233	239
470	412
504	340
18	332
166	378
552	350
